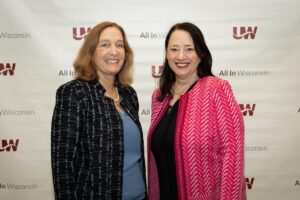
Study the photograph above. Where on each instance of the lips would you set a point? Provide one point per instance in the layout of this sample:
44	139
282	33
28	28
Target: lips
112	61
182	64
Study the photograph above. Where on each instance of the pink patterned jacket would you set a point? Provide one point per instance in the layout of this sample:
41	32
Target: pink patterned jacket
209	143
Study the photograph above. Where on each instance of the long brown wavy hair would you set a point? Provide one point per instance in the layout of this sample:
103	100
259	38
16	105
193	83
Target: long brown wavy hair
84	65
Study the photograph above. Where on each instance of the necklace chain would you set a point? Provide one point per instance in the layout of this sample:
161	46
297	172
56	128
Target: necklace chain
184	89
117	93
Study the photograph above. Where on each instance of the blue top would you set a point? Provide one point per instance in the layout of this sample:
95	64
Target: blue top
133	180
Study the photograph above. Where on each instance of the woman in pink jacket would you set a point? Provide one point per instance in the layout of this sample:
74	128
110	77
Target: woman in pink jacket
196	136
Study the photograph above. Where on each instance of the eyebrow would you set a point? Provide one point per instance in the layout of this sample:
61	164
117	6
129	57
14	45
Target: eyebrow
176	45
106	40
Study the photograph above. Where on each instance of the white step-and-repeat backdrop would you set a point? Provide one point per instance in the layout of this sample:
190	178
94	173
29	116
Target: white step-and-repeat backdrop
255	46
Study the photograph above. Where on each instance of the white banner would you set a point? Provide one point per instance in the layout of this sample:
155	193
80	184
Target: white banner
255	46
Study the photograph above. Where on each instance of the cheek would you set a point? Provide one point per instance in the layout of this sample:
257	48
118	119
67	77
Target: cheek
170	60
170	57
98	59
123	55
97	55
196	60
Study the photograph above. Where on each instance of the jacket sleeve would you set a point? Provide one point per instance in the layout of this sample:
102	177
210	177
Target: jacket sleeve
231	130
64	136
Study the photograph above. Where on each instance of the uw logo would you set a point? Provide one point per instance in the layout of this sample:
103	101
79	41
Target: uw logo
249	183
11	144
81	32
244	32
7	68
248	109
157	71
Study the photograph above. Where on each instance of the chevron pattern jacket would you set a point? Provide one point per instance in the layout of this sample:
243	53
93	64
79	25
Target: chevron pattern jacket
87	145
209	143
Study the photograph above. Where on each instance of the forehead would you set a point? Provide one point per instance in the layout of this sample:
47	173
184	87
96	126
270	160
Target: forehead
180	37
111	33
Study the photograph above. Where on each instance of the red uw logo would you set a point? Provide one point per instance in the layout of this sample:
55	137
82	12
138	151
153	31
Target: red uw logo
247	109
249	183
9	145
244	32
80	32
157	71
7	69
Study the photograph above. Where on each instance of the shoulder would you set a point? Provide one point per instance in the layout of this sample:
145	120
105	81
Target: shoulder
71	88
128	89
155	102
72	84
155	93
218	87
129	93
212	83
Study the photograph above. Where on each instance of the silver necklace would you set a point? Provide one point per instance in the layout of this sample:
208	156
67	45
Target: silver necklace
184	89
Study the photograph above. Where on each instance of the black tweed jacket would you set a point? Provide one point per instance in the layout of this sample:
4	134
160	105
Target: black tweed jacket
87	148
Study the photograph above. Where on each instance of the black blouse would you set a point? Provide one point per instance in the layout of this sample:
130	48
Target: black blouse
162	146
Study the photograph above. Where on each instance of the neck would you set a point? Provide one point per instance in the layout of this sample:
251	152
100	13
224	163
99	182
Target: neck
185	82
107	82
181	86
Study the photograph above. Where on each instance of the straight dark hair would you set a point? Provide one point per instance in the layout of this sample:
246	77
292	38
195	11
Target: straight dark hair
167	78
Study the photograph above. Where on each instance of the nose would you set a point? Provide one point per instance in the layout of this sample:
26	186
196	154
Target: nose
113	50
181	54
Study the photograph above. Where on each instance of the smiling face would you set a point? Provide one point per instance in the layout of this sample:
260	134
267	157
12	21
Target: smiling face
109	55
182	56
